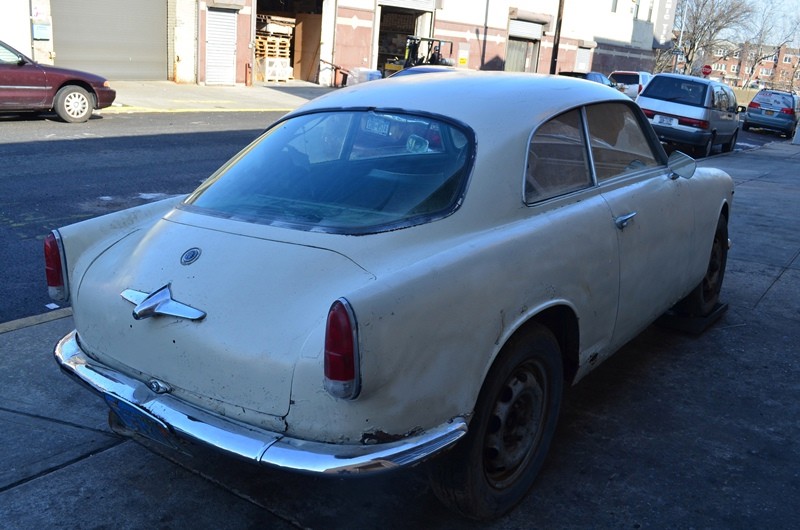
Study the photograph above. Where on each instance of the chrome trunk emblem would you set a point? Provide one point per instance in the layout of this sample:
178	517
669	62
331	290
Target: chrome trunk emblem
160	302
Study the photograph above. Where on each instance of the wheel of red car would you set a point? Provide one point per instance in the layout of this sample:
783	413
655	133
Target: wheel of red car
515	419
705	296
73	104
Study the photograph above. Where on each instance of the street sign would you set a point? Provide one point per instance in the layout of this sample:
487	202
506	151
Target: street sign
706	69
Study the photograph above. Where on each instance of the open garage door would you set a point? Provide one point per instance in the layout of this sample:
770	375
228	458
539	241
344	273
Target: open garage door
113	38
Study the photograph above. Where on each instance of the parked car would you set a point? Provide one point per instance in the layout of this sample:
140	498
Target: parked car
691	112
26	85
423	69
597	77
407	269
776	110
630	83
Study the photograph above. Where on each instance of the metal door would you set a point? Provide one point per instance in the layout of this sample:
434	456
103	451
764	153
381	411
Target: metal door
221	47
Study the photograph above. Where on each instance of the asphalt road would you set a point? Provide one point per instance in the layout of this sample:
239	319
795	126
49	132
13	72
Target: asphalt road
53	174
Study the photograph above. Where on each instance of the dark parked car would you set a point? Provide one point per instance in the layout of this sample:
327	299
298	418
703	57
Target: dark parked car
597	77
26	85
776	110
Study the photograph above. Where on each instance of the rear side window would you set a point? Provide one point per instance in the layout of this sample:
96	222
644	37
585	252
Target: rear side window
676	90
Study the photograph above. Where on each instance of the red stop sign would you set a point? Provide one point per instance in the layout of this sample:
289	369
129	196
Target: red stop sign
706	69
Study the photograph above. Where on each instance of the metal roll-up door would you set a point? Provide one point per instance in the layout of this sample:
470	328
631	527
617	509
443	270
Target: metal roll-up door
221	47
113	38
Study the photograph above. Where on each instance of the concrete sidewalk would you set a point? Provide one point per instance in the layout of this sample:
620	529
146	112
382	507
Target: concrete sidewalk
673	431
166	96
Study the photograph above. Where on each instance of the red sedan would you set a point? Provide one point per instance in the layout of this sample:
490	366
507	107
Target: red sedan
26	85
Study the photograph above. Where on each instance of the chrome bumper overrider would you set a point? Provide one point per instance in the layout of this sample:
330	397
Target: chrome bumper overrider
270	448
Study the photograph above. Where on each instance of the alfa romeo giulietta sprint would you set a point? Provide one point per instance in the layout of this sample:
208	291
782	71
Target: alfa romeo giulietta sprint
407	270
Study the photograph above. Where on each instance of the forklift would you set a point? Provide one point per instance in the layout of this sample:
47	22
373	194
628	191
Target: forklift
413	57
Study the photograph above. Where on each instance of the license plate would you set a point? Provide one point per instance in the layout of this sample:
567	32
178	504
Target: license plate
141	422
665	120
769	112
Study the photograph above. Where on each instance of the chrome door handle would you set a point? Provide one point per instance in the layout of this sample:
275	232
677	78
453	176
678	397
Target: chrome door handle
622	220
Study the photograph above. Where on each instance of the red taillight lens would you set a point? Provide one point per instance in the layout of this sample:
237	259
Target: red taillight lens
691	122
342	378
649	113
788	111
54	268
754	105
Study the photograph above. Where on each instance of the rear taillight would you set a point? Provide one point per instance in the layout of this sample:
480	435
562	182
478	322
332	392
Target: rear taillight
342	378
691	122
54	267
649	113
754	105
788	111
640	89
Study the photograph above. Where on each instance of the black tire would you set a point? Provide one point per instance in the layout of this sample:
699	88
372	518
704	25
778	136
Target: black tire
73	104
705	296
728	147
704	151
492	468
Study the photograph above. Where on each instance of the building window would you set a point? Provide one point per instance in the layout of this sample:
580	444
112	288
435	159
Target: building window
765	71
734	68
736	54
719	52
787	59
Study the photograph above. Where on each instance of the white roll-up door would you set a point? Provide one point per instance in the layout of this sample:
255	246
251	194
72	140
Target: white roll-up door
113	38
221	47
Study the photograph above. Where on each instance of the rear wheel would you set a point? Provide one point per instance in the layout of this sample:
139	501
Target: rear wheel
705	296
705	149
73	104
494	466
728	147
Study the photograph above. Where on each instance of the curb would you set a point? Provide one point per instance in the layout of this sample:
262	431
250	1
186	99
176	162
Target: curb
27	322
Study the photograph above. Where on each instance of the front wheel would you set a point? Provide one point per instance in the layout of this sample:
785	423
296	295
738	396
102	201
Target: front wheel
493	467
705	296
73	104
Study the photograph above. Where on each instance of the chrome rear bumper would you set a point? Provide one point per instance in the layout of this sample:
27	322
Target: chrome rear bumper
186	421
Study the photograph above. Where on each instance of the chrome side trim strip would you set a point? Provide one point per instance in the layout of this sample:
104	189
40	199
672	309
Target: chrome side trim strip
251	443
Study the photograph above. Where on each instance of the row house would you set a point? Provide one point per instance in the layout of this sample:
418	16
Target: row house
742	65
229	42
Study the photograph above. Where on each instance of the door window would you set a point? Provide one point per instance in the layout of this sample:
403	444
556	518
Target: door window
619	144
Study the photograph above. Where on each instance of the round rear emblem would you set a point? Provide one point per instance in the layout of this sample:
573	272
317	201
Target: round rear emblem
190	256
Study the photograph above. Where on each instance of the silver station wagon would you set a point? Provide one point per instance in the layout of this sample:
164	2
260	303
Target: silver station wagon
408	270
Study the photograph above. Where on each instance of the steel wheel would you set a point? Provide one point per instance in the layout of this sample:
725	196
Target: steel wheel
704	298
515	425
492	468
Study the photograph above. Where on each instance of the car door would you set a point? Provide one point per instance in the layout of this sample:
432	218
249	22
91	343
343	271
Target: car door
22	82
652	214
724	112
573	246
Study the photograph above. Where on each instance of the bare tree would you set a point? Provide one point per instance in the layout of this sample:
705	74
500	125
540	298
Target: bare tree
702	26
768	32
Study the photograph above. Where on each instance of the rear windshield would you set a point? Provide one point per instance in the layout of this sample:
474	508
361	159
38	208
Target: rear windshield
778	100
677	90
351	172
628	79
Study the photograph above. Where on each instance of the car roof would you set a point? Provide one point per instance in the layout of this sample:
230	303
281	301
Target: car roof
475	98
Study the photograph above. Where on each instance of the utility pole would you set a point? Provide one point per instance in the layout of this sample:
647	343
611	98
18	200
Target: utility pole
557	37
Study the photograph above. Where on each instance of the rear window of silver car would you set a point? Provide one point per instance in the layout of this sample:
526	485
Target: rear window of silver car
778	100
352	172
676	90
